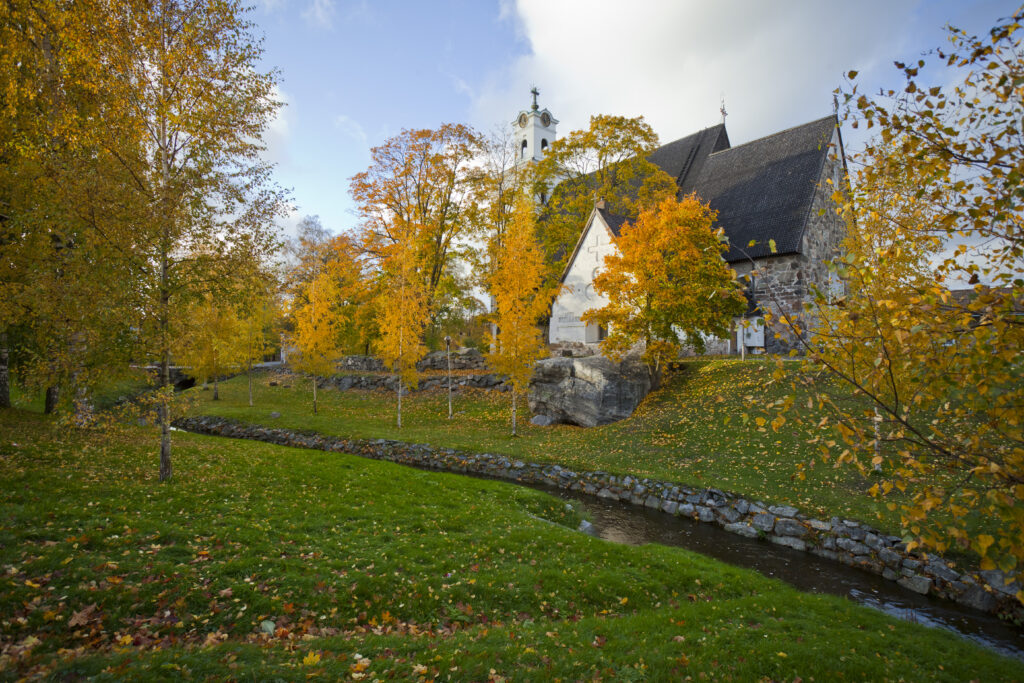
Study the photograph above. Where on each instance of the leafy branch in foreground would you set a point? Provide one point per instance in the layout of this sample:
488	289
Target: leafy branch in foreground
923	383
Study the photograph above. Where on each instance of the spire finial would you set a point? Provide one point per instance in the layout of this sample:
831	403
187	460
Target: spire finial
722	109
535	93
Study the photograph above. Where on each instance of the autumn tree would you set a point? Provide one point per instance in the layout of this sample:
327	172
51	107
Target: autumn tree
928	337
403	308
186	107
317	324
260	315
516	285
421	186
214	343
501	180
306	253
608	161
357	294
52	271
666	282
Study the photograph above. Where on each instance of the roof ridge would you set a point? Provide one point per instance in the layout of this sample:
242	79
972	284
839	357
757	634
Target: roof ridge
773	135
690	135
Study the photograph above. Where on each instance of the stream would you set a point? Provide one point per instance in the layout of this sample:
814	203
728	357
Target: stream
620	522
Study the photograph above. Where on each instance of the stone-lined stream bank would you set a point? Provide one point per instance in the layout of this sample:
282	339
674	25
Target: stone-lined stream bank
840	540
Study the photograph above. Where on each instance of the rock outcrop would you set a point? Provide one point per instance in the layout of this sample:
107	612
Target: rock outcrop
588	391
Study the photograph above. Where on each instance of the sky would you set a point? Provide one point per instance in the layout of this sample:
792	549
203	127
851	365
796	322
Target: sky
353	73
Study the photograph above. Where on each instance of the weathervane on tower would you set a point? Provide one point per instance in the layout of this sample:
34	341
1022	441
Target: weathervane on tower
722	109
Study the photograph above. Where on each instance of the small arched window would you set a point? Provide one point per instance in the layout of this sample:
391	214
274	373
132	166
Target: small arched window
543	145
523	153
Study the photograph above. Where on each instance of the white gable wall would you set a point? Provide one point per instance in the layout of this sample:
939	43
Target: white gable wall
578	295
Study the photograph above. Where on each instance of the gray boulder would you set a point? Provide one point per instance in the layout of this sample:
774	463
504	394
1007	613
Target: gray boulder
543	420
588	391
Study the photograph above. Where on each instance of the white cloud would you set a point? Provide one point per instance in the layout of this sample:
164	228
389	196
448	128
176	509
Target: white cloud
278	132
320	13
352	129
288	225
776	63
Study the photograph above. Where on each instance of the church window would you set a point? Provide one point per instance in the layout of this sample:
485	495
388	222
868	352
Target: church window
524	149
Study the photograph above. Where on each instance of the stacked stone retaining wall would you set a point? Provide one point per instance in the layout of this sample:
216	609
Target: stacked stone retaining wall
847	541
390	382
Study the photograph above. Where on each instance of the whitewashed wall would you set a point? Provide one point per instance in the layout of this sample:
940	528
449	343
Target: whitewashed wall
578	293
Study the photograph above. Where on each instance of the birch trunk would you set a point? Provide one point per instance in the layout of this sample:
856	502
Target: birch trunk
164	306
51	400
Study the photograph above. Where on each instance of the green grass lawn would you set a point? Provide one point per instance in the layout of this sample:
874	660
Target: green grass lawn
689	431
264	562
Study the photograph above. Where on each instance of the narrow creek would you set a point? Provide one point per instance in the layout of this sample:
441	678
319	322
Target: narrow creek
621	522
632	525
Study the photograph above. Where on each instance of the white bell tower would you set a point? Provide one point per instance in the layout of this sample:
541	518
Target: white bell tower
533	130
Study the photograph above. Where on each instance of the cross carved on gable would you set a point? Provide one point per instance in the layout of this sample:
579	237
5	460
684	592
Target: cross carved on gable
600	241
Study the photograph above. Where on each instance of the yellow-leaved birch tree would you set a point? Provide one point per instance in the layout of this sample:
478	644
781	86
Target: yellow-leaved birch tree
923	352
520	301
404	310
317	326
214	344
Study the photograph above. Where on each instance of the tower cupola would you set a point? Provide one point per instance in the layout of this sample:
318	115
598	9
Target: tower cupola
533	130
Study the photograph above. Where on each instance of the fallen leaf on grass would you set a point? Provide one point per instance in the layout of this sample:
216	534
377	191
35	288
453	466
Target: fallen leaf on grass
83	617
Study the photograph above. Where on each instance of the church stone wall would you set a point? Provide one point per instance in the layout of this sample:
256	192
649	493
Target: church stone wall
783	284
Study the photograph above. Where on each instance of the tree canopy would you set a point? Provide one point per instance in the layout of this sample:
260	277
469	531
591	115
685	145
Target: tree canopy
608	161
666	283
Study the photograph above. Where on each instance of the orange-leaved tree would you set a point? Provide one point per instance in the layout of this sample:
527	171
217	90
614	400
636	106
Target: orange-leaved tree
516	285
667	283
607	161
403	309
421	188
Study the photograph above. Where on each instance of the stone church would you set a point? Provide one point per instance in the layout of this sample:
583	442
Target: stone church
773	188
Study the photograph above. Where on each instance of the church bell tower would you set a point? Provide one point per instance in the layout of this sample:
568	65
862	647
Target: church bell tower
533	130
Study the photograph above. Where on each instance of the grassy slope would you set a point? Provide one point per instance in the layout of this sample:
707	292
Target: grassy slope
689	431
414	572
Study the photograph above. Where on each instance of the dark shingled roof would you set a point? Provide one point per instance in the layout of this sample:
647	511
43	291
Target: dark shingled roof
684	158
762	190
614	221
